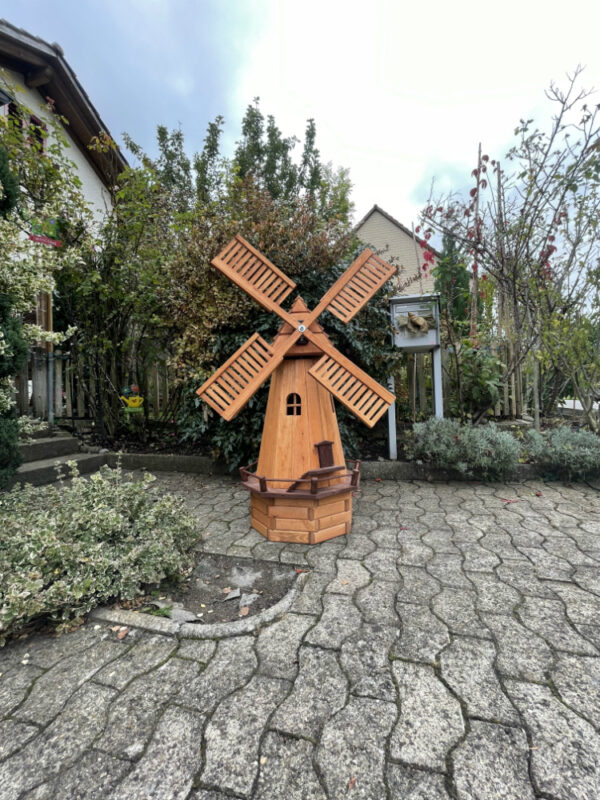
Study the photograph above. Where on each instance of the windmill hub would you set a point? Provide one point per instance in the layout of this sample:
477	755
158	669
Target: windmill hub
301	490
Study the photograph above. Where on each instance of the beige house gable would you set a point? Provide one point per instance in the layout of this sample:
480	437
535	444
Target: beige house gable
395	243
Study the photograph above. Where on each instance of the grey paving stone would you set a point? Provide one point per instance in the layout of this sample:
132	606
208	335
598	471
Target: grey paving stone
309	599
565	759
231	666
196	649
232	737
582	606
477	558
422	634
387	537
60	746
418	586
577	679
492	594
362	524
350	754
448	570
588	578
382	565
91	778
500	544
209	794
319	691
340	619
566	548
52	689
591	633
467	665
351	575
548	566
135	712
46	651
377	602
523	578
414	553
146	654
286	771
520	652
547	619
13	735
407	783
441	541
323	561
15	681
171	760
358	546
456	607
492	763
430	720
277	645
365	660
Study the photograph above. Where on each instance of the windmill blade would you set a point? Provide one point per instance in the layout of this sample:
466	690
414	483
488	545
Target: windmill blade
365	276
254	273
233	384
366	398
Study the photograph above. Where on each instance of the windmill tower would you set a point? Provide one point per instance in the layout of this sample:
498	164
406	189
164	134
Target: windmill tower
301	490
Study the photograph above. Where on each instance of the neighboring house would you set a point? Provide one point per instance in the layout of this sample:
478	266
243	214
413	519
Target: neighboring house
37	71
40	70
396	243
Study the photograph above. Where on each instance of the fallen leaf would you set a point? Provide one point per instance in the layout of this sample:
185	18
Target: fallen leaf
233	594
244	611
539	494
299	570
403	528
508	502
263	760
343	583
115	628
378	480
226	590
122	633
351	783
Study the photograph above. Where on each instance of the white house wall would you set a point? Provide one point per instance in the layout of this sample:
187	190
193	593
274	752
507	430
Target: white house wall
92	188
393	242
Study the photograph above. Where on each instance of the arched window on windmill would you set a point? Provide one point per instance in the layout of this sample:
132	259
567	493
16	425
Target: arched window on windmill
293	405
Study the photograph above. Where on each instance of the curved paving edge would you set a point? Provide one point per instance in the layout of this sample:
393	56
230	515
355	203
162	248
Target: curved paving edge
192	630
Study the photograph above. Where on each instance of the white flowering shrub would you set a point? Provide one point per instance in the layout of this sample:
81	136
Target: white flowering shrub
67	549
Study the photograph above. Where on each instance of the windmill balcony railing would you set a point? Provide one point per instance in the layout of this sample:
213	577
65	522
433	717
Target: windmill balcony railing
315	483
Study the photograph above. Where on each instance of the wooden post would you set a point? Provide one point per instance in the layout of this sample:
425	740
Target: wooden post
155	390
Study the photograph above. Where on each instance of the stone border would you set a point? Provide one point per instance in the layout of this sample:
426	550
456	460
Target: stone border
384	470
193	630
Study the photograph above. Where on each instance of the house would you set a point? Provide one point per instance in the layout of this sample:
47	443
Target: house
398	245
33	71
40	70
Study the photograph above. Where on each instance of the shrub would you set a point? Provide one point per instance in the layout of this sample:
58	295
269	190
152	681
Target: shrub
565	453
65	550
482	452
10	458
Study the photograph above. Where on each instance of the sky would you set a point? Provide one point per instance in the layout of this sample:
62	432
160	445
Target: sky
401	95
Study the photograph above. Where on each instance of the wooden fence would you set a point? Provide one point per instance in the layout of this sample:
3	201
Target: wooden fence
53	386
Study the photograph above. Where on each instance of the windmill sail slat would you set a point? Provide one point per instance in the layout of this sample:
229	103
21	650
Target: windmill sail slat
254	273
352	387
367	277
231	386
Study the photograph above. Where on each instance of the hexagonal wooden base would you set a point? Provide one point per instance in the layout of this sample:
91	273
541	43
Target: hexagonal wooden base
301	521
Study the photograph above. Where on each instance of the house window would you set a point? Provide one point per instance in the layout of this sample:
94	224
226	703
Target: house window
293	405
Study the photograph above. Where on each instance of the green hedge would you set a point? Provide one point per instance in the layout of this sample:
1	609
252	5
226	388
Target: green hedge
478	451
66	550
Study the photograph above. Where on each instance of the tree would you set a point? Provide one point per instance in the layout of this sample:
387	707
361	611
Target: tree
38	183
533	229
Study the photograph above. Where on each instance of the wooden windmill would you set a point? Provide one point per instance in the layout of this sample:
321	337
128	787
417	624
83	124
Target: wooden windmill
301	490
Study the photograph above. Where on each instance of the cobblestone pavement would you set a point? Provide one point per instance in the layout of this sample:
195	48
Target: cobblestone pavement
447	648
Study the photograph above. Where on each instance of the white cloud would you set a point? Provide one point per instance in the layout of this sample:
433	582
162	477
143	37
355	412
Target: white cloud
399	91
